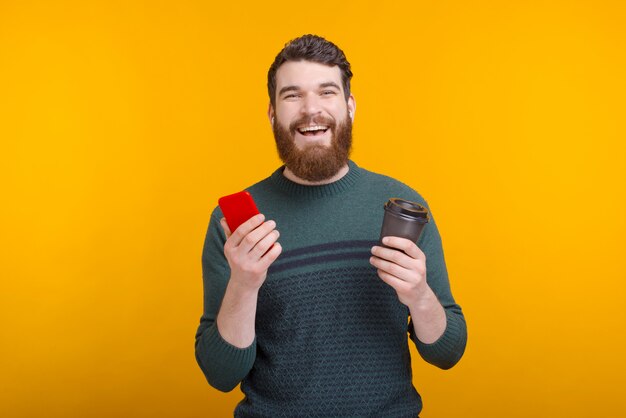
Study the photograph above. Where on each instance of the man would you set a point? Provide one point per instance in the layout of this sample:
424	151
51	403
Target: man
316	325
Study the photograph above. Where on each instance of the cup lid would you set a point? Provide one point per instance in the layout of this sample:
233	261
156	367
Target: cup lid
407	208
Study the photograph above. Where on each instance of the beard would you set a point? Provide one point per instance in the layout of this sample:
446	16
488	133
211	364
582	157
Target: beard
315	162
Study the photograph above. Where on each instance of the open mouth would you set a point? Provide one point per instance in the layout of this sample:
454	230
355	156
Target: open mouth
316	130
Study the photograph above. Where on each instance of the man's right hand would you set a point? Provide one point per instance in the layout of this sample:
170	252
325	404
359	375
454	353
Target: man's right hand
249	251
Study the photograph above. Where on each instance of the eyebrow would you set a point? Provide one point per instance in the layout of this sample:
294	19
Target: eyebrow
330	84
288	88
296	88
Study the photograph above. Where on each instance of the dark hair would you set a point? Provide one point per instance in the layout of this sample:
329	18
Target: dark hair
310	48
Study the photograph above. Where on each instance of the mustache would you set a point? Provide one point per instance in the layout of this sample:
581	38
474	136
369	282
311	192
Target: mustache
312	120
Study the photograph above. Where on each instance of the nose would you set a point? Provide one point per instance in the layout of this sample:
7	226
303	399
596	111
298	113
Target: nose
311	105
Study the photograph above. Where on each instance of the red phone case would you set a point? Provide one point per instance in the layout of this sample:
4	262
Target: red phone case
237	208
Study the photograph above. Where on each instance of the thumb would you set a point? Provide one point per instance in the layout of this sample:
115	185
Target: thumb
225	226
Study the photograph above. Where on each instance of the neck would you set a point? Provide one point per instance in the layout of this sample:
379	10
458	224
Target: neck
291	176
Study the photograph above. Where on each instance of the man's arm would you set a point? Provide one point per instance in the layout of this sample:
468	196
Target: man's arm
437	325
225	341
429	318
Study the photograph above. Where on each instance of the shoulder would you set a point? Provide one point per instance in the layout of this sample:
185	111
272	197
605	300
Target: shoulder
393	187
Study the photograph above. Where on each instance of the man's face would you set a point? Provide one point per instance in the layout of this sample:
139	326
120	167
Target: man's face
312	126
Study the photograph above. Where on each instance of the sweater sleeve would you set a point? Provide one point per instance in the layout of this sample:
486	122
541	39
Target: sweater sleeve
223	364
449	348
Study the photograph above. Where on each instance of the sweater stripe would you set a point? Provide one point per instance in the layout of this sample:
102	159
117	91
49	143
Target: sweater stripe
327	247
352	250
319	260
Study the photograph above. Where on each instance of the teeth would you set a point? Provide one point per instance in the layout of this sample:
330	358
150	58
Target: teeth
312	128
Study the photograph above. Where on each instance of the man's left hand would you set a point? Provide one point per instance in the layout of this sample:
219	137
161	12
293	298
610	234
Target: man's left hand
403	267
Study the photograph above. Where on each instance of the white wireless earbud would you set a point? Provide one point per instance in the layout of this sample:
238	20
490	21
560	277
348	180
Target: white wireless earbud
272	120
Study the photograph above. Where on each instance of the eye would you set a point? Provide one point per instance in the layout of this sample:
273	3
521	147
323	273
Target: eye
328	92
290	96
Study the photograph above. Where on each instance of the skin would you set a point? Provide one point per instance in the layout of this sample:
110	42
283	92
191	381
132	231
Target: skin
405	271
312	89
305	88
247	253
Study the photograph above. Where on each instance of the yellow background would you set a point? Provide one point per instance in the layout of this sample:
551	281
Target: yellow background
123	122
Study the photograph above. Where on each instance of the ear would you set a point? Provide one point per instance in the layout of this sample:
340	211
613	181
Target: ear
351	107
270	113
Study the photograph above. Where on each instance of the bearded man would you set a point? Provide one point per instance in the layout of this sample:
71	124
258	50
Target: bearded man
315	325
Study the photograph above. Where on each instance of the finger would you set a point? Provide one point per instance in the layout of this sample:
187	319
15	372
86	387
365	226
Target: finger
265	244
394	256
225	227
251	240
270	256
391	268
246	227
409	247
391	280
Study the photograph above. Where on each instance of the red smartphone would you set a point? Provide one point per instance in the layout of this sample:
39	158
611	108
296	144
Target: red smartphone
237	208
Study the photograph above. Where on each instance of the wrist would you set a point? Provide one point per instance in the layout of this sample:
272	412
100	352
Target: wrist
429	318
244	286
425	302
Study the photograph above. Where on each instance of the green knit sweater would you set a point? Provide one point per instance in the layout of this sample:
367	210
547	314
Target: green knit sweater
331	336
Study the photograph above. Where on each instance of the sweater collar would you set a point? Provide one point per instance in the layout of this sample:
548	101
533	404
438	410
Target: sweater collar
294	189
